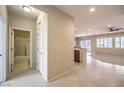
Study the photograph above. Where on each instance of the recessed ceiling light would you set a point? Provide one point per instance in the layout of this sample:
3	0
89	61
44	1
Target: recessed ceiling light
76	28
109	25
92	9
90	29
27	8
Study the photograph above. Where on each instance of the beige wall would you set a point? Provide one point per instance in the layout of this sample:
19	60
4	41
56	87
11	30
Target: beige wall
60	41
113	50
25	23
3	12
21	22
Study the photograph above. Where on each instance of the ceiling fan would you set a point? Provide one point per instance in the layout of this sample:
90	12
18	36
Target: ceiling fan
112	29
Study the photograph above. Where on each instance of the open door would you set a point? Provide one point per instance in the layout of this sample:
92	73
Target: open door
11	50
1	50
42	31
39	46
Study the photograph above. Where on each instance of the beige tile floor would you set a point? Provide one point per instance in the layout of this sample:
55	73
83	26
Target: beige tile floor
22	63
113	59
93	73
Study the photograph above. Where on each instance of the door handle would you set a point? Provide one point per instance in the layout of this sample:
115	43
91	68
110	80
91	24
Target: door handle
0	54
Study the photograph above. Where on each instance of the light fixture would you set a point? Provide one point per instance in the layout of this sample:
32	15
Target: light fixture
90	29
26	8
109	25
76	28
92	9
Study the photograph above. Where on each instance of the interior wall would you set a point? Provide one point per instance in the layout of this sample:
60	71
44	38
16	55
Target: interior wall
24	23
22	46
114	51
60	41
4	13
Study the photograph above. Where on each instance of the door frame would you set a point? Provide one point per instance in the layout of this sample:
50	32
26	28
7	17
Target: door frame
12	28
4	76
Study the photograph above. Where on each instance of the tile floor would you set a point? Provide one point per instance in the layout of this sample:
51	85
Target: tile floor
93	73
22	64
113	59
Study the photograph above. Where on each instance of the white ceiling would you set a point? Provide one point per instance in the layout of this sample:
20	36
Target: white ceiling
18	9
84	20
97	20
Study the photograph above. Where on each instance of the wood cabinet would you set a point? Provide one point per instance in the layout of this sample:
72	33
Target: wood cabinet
79	55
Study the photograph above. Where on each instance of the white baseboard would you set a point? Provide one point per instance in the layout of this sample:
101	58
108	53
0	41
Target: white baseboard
61	74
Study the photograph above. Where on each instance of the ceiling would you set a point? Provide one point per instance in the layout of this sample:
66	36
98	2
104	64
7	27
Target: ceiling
89	23
18	9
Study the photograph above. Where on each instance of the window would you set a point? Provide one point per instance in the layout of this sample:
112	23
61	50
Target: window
119	42
98	42
86	44
109	42
104	42
101	42
83	44
122	42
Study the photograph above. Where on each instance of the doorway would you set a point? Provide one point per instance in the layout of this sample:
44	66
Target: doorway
38	39
20	50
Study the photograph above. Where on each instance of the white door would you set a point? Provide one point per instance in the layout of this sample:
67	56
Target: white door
37	57
11	49
1	50
39	48
42	48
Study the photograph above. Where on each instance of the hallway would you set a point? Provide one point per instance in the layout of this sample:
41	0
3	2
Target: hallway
26	78
22	63
90	74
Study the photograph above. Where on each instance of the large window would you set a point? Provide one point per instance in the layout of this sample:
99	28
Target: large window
104	42
101	42
86	44
98	42
109	42
83	44
122	42
119	42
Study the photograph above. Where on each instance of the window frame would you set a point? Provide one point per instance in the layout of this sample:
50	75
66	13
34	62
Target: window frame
103	42
119	41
